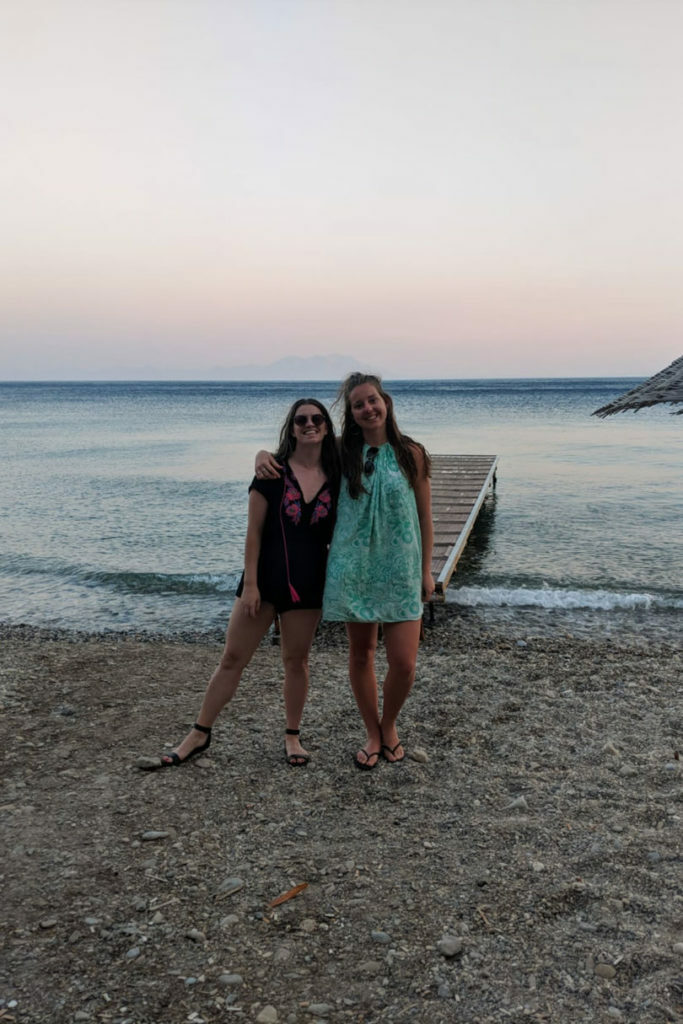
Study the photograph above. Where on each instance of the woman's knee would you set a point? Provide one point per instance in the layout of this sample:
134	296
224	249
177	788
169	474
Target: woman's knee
295	662
403	663
233	660
362	655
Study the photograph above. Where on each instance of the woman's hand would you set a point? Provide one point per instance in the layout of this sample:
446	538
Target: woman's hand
251	599
428	586
266	467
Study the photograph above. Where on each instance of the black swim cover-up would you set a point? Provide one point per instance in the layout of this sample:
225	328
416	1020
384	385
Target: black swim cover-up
296	535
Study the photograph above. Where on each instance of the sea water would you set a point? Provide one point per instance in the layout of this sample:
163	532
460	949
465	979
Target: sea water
123	505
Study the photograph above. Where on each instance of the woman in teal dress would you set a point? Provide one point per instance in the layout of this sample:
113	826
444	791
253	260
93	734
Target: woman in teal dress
379	565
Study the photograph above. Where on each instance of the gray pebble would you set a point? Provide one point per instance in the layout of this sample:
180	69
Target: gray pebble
444	990
449	945
615	1012
48	922
319	1009
230	886
370	967
133	953
151	835
518	804
381	937
147	763
229	921
268	1015
230	979
419	755
195	935
605	971
308	925
678	947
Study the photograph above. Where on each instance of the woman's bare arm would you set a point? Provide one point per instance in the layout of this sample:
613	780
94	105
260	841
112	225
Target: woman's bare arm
256	517
423	500
266	467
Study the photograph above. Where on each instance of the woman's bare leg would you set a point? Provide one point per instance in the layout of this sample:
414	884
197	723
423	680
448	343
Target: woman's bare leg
401	642
362	646
242	637
297	632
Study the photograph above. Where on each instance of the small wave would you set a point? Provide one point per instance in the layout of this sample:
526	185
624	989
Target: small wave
523	597
160	583
124	581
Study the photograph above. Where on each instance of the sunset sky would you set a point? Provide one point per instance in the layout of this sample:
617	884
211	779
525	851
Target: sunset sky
436	188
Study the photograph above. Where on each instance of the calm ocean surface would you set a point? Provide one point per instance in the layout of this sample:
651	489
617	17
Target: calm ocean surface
123	505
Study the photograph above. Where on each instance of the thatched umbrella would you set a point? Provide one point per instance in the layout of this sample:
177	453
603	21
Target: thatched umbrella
665	386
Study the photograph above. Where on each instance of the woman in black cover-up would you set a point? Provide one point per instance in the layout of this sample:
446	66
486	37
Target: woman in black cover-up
289	528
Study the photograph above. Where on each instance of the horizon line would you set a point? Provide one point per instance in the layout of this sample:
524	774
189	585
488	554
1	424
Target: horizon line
290	380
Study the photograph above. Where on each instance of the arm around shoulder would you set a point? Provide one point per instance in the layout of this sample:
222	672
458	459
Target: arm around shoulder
266	465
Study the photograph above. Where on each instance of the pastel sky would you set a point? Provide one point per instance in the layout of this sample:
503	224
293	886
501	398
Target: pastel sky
458	188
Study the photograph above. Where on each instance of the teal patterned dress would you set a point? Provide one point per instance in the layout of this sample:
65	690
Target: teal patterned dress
374	568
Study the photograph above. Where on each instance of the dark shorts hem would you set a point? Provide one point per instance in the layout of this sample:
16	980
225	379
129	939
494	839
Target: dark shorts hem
285	604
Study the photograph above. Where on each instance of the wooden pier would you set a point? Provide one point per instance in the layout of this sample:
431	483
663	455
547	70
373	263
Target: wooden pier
460	484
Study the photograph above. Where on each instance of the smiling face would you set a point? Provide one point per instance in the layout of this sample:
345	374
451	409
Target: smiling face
369	410
308	425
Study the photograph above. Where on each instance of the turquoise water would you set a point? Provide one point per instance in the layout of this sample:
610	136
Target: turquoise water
123	505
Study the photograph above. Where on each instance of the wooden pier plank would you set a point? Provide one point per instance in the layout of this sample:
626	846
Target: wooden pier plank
460	484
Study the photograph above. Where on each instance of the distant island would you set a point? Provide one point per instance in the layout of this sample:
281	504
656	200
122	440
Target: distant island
331	367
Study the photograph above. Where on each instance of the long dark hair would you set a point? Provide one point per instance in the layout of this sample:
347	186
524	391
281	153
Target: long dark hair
329	454
352	436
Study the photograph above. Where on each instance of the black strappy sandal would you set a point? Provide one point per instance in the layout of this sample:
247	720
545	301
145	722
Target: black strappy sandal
175	761
295	760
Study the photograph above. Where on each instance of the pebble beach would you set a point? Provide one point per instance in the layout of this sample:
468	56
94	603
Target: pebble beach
523	864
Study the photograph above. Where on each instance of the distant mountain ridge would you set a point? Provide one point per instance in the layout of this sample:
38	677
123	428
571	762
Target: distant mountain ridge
332	367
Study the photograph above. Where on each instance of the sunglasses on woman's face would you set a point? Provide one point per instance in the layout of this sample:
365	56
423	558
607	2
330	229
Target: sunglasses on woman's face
369	467
317	419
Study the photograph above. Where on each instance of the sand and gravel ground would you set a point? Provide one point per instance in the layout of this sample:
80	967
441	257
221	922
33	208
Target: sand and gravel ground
527	867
